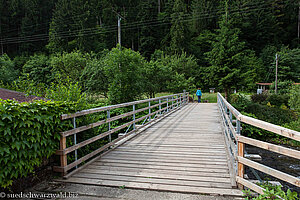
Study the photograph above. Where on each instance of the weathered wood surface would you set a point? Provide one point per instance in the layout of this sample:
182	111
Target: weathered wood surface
185	152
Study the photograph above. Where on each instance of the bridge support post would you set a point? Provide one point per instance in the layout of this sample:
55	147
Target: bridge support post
172	103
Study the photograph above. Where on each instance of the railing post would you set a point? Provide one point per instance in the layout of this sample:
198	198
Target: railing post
241	167
180	99
133	116
63	158
159	106
167	104
108	116
149	110
241	152
172	102
177	96
75	139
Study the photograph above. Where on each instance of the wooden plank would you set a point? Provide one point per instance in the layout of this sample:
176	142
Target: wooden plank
174	158
268	170
142	159
295	135
116	169
176	151
250	185
271	147
168	154
165	167
161	187
152	180
193	165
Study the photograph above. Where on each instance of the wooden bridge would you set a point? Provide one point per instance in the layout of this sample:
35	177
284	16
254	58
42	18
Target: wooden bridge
173	146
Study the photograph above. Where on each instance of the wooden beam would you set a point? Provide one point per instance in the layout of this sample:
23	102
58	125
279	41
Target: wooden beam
268	170
295	135
63	158
241	167
271	147
250	185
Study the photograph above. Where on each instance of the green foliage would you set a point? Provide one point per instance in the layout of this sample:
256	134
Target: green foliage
69	64
259	98
179	83
277	99
288	65
123	69
29	133
38	69
294	98
272	192
231	64
93	77
8	73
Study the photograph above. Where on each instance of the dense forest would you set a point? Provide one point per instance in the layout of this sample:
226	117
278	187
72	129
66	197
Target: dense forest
227	44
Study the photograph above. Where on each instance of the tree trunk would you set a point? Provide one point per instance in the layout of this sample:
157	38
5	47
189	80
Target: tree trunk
226	93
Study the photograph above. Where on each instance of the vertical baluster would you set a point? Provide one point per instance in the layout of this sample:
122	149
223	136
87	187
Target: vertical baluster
149	110
159	106
108	117
75	139
133	116
167	104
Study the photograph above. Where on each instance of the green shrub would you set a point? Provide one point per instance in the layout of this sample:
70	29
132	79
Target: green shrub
294	98
123	69
259	98
278	100
29	133
272	192
7	71
273	115
38	69
69	64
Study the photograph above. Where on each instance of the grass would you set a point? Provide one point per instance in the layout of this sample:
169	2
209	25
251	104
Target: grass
210	97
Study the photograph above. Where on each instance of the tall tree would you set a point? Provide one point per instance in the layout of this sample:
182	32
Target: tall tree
178	30
227	58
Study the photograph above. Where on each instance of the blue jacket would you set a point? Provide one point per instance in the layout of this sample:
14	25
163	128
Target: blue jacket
199	93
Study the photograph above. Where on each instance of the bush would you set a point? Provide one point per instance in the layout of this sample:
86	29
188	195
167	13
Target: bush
7	71
69	64
278	100
124	71
38	70
259	98
273	115
294	98
29	133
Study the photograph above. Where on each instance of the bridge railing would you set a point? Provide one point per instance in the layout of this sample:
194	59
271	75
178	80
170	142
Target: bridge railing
236	146
162	106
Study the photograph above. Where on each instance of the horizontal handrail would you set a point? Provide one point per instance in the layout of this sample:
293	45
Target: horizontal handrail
165	104
105	108
236	144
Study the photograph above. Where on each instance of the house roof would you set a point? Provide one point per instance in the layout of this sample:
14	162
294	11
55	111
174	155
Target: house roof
17	96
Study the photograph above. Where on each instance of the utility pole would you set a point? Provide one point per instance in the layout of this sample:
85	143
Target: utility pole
298	22
276	76
158	6
119	30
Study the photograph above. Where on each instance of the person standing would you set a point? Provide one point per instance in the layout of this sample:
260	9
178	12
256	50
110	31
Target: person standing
199	94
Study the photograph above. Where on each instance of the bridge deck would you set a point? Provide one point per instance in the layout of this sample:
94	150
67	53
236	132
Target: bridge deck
185	152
